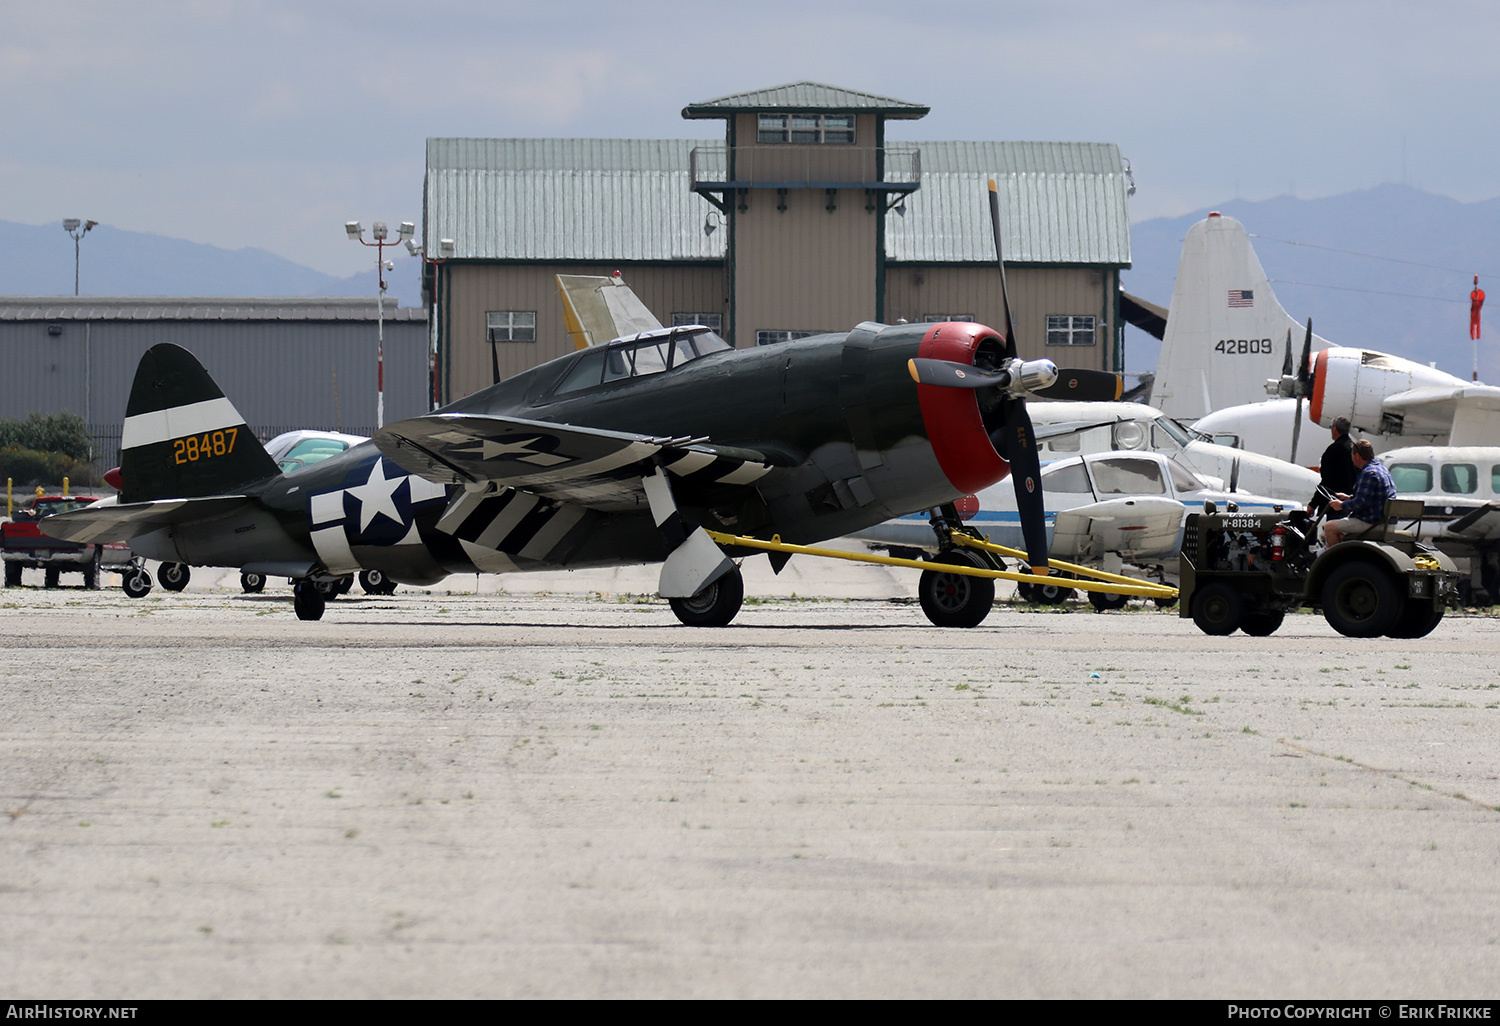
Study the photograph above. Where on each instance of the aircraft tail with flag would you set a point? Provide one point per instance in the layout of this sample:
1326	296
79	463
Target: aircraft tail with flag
1226	332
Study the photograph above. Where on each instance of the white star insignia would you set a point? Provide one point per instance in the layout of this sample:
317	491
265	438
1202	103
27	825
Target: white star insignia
376	496
488	449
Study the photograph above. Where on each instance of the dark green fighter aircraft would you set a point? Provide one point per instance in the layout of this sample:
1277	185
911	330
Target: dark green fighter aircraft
622	453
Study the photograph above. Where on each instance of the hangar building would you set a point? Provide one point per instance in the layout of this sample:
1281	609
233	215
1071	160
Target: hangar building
285	363
806	218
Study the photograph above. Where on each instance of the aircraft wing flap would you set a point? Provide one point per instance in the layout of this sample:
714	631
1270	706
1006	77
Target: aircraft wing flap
111	522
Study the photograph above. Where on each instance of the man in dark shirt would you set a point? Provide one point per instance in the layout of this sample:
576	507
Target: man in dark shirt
1366	507
1337	469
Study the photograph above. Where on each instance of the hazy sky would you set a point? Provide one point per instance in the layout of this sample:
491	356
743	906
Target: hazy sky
271	123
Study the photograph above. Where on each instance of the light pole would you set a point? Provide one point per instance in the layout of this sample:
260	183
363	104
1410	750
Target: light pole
381	236
71	226
445	247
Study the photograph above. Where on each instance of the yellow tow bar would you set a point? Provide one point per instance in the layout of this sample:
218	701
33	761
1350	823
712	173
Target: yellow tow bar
1099	580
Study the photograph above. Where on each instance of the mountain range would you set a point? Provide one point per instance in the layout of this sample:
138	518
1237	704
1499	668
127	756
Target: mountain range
1387	268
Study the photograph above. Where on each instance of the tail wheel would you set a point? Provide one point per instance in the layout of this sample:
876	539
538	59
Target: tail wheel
956	600
252	583
715	605
174	576
1360	600
375	582
1218	609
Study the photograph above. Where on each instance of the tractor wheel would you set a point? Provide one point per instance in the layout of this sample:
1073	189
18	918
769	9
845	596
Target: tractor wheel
1360	600
1218	609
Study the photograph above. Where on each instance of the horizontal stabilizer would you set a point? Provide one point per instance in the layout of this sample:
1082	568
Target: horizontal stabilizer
108	521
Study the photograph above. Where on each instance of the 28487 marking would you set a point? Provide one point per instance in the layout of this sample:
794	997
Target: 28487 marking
194	448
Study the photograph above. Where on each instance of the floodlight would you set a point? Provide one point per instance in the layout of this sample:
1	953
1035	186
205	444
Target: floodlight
70	224
413	248
445	247
408	229
378	232
354	228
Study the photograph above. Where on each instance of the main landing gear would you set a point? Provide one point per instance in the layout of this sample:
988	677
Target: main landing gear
715	605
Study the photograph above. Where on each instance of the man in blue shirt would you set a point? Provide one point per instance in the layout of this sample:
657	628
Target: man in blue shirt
1366	506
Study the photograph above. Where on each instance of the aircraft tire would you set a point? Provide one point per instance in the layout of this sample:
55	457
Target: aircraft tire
1361	601
714	606
1052	594
375	582
330	590
252	583
12	575
136	583
1262	625
1027	591
1165	603
174	576
1218	609
51	577
1417	620
956	600
1104	601
308	599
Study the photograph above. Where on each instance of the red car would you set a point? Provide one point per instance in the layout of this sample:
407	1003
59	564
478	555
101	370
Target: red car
26	547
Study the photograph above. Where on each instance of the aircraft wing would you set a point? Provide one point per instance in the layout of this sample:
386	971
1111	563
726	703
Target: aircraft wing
1140	529
587	466
1469	414
598	310
108	521
1483	524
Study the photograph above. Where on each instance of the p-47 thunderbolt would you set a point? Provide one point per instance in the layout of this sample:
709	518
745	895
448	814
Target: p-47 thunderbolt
623	453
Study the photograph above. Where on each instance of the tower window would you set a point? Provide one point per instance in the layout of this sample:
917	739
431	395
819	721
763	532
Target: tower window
806	129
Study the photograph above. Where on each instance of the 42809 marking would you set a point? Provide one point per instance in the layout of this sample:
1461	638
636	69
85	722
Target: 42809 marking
1244	346
194	448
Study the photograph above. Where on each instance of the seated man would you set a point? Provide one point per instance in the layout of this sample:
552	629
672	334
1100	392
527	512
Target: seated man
1366	506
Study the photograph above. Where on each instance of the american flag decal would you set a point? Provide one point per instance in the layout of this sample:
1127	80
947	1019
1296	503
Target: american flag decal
1241	297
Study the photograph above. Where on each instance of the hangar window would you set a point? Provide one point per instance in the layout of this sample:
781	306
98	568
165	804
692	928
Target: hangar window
934	318
1411	477
510	326
1070	329
708	320
806	129
1460	478
766	337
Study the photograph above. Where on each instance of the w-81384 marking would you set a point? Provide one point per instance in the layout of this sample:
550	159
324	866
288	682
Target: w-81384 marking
1244	346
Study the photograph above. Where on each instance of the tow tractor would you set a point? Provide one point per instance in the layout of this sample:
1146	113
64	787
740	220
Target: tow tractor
1245	571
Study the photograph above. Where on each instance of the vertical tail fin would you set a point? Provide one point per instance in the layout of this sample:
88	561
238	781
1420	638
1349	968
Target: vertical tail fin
182	438
1225	331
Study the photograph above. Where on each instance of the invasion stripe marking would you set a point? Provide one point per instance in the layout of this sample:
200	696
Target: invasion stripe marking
690	463
508	519
459	509
745	474
547	538
181	421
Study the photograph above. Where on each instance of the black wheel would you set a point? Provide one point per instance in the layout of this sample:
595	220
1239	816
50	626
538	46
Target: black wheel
1104	601
1165	603
346	583
1360	600
137	583
174	576
1052	594
91	571
1261	625
715	605
1027	591
252	583
50	577
956	600
12	575
375	582
308	599
1218	609
328	589
1417	620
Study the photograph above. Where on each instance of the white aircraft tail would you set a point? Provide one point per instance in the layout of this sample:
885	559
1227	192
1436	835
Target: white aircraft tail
1226	333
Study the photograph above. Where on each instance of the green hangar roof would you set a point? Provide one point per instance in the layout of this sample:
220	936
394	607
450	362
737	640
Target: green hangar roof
632	200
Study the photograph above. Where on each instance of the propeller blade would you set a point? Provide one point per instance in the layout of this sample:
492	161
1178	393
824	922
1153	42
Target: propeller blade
1304	369
1084	386
1026	477
1286	361
947	374
1010	329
